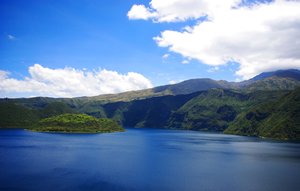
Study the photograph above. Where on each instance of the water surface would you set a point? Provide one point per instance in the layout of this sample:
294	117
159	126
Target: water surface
146	159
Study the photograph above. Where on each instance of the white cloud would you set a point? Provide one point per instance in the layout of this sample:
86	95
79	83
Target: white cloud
11	37
171	82
3	75
178	10
185	62
213	69
166	56
70	82
260	36
140	12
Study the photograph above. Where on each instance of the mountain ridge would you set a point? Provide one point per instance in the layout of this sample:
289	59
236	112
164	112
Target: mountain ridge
196	104
200	84
289	73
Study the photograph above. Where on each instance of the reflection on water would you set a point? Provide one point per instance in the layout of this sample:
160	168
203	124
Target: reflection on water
146	159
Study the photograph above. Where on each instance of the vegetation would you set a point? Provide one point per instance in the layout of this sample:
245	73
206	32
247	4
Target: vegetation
76	123
278	119
152	112
211	110
56	108
13	115
274	83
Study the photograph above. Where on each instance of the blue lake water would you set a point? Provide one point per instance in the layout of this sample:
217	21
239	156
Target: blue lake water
146	159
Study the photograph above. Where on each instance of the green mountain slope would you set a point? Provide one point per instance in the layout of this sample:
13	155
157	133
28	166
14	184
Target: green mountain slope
214	109
207	110
273	83
152	112
13	115
56	108
278	119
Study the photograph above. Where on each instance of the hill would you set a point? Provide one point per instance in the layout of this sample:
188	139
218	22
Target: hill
13	115
152	112
211	110
291	74
273	83
278	119
76	123
276	80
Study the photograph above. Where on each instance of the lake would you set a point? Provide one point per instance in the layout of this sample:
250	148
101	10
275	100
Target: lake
146	159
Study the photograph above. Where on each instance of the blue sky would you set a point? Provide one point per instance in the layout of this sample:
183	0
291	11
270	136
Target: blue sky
93	35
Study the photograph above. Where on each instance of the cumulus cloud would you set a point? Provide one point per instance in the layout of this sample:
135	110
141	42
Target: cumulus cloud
260	36
178	10
70	82
140	12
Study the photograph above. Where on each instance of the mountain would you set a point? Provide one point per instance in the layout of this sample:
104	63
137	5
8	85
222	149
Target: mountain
291	73
273	83
278	119
189	86
281	80
152	112
185	87
214	109
211	110
252	107
14	115
276	80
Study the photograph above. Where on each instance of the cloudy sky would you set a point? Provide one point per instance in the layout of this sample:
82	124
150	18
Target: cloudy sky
65	48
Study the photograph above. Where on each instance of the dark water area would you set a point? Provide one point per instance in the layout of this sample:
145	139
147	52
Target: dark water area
146	159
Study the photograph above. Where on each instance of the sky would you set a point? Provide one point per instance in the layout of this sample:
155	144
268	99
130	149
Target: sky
66	48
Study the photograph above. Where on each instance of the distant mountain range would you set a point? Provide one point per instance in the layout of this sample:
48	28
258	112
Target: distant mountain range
278	80
291	74
267	105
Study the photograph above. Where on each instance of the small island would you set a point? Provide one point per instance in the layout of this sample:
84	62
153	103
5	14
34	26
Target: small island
77	123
